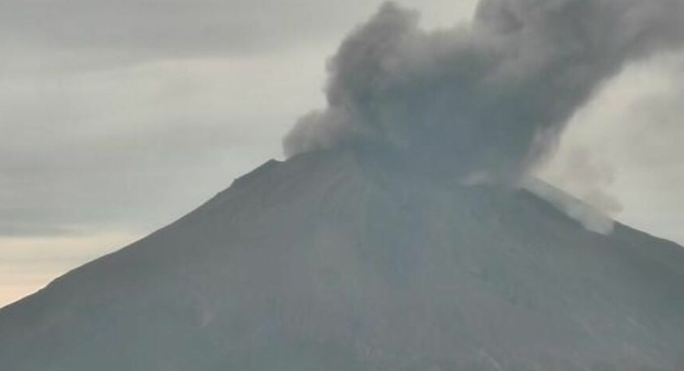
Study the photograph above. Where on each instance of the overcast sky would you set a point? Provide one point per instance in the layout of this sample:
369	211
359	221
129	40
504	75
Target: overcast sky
120	116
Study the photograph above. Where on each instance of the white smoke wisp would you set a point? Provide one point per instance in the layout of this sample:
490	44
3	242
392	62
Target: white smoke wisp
491	97
583	211
584	175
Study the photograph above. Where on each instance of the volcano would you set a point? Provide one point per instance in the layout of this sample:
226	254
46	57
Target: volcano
343	260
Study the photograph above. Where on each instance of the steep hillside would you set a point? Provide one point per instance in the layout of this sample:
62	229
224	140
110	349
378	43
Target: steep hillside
328	262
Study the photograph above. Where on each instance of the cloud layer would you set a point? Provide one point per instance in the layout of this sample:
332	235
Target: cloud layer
490	98
125	115
75	35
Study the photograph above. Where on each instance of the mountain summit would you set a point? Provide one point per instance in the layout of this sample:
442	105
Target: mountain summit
337	260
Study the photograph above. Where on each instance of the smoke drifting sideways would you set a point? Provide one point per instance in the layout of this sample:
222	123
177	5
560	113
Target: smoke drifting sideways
486	101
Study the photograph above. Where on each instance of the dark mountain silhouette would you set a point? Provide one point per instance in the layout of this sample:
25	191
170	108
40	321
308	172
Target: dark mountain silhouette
338	260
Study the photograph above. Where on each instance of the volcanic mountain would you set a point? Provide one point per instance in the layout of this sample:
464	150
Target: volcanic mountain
343	260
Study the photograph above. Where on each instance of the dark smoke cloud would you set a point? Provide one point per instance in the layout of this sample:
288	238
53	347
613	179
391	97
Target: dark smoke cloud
490	98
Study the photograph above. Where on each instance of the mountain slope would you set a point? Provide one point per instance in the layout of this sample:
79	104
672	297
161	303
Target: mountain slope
339	261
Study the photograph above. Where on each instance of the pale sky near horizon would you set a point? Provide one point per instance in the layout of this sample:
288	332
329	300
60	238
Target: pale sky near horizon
120	117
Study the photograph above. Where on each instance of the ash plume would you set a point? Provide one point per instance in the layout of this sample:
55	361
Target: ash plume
490	98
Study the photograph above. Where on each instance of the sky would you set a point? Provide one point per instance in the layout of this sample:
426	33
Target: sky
119	117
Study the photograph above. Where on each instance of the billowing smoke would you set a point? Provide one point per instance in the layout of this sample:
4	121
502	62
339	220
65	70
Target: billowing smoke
490	98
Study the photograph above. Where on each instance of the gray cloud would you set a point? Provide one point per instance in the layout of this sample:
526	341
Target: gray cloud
491	97
122	115
167	27
622	152
74	35
133	148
